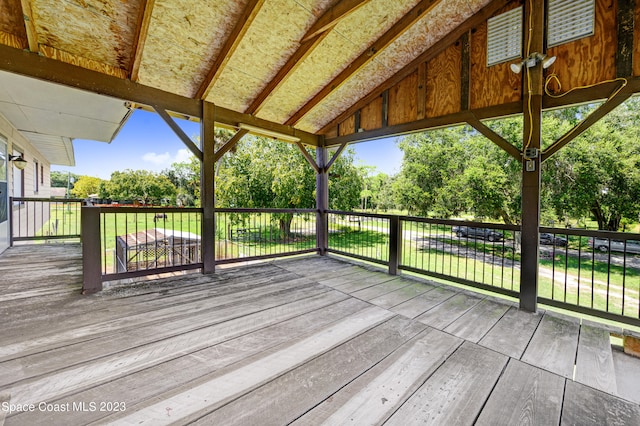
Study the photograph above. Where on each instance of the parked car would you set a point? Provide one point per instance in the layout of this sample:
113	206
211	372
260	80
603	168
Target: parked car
484	233
550	239
604	245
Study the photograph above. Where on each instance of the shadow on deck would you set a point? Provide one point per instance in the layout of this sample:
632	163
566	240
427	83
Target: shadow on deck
305	340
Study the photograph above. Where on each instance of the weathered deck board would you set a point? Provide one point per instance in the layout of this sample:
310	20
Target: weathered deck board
586	406
269	343
401	295
189	367
375	395
194	402
524	395
594	363
283	399
512	334
456	392
477	321
450	310
423	302
380	289
554	344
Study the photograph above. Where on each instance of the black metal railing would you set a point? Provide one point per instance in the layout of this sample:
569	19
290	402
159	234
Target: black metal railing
252	234
472	253
586	271
44	218
362	236
137	241
594	272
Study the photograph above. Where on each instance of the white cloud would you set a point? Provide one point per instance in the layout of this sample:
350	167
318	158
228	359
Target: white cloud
158	159
182	156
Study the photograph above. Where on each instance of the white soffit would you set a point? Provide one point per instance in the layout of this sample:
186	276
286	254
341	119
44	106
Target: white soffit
51	115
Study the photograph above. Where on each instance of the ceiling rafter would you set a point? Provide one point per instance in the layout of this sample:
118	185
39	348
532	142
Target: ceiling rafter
311	39
248	15
30	27
415	14
142	30
478	18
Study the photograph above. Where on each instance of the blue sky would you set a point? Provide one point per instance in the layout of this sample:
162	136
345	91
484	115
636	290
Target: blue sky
145	142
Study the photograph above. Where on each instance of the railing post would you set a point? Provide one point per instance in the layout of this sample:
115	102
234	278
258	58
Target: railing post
10	221
91	252
395	244
322	202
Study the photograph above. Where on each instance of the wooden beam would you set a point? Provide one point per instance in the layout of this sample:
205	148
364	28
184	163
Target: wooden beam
142	30
357	121
581	127
419	11
178	131
624	54
421	97
43	68
30	27
233	118
478	18
465	73
36	66
310	159
310	41
242	25
208	188
335	156
385	108
534	17
429	123
229	144
333	16
494	137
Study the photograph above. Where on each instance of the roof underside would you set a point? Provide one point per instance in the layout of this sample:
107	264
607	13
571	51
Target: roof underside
310	65
176	45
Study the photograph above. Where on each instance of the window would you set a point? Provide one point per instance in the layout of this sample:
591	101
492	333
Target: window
504	37
36	177
569	20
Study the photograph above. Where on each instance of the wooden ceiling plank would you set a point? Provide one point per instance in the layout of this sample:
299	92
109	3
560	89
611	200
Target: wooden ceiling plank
309	42
178	131
332	17
248	15
479	17
142	32
30	27
229	144
414	15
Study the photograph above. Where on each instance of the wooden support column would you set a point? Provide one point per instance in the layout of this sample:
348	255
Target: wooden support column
322	201
532	135
207	187
91	258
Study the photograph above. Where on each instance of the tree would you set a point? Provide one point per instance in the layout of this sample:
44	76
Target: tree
185	177
597	173
262	173
85	186
61	179
141	185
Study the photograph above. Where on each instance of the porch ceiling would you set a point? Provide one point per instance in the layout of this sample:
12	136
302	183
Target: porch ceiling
270	58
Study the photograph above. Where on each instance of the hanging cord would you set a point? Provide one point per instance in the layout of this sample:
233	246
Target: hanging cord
554	77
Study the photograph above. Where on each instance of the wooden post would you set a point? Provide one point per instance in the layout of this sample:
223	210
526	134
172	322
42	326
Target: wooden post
395	244
207	185
532	106
91	251
322	201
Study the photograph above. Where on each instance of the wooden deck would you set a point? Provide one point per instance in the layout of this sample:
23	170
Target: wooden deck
306	341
